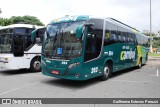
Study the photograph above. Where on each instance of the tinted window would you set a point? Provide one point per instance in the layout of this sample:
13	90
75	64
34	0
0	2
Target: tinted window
29	31
40	34
141	39
94	39
5	31
111	34
20	30
117	34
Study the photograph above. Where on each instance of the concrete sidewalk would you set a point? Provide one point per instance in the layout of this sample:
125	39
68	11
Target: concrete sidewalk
153	58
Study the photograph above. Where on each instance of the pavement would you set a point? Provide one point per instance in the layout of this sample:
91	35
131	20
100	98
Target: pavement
130	83
154	58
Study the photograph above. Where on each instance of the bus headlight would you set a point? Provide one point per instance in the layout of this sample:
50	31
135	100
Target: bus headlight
4	59
73	65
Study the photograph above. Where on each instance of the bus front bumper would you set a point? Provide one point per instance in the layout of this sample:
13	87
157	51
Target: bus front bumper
7	66
70	75
3	66
65	77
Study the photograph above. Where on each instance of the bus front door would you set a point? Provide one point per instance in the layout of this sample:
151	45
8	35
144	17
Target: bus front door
18	45
92	61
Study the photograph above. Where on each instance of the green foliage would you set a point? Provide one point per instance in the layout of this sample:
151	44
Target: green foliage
5	22
156	42
26	20
20	20
148	34
153	54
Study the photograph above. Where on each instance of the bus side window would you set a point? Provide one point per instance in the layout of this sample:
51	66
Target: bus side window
112	29
123	37
41	34
107	38
28	39
114	36
135	39
131	36
127	37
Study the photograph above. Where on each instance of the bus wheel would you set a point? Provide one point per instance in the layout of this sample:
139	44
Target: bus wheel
106	72
140	64
35	65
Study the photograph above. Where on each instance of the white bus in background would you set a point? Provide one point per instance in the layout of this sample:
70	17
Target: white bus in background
20	47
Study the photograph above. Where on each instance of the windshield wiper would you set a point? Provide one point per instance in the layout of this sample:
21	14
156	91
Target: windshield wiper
55	38
62	40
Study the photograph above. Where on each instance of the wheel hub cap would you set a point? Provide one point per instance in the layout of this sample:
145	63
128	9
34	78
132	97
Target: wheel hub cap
106	71
36	65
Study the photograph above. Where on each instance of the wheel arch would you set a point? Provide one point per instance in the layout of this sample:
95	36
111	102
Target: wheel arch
38	56
110	62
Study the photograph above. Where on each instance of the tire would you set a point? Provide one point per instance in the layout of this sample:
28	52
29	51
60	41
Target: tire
107	71
140	64
35	65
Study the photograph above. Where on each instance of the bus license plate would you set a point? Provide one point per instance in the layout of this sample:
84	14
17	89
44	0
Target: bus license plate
55	72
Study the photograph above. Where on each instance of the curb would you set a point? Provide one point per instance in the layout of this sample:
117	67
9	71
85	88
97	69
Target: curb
154	59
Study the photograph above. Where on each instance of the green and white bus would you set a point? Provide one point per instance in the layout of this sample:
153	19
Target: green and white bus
18	50
84	47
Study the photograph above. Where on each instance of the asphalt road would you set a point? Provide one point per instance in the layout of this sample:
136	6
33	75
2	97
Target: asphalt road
130	83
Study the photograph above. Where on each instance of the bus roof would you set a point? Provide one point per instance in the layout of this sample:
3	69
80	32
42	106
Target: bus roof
74	18
20	26
70	19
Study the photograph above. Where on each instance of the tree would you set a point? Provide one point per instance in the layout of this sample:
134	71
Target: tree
155	40
148	34
20	19
5	22
26	20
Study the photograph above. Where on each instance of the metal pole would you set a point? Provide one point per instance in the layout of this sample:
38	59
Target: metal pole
0	11
151	27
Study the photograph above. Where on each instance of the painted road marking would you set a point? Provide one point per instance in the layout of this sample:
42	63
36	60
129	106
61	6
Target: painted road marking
157	74
6	92
10	91
154	76
136	81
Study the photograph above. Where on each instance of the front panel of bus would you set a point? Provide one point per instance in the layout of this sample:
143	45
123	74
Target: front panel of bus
65	56
62	51
13	43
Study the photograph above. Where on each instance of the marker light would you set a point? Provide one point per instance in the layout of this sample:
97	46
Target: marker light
4	59
73	65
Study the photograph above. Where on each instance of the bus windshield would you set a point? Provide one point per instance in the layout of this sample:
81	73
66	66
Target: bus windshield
60	41
5	42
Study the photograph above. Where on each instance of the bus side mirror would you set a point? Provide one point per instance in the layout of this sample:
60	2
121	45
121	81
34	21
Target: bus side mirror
38	40
79	31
